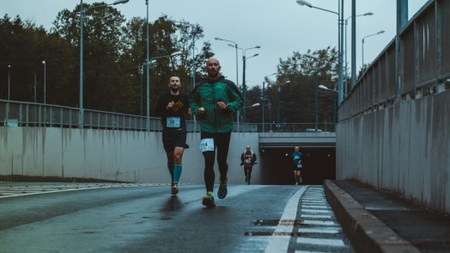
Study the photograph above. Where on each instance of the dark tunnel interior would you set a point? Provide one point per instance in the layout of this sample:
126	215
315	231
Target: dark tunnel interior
277	166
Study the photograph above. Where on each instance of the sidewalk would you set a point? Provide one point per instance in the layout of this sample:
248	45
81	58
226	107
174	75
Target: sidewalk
377	221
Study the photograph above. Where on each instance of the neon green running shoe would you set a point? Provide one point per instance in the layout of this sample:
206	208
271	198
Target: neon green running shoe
208	200
222	193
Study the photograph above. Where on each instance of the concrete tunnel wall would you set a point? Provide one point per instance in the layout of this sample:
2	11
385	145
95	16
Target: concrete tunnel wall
403	149
109	155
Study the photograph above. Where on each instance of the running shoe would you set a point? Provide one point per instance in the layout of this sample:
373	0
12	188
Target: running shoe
174	188
222	193
208	200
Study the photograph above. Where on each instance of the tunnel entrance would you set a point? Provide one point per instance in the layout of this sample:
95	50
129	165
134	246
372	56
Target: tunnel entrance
277	166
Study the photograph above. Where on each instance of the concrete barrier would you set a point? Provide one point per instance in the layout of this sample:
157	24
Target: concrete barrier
403	149
107	155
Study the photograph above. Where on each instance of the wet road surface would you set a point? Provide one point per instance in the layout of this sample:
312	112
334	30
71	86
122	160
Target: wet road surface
36	217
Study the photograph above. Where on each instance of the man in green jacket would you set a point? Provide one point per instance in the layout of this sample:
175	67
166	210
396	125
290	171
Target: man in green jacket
214	101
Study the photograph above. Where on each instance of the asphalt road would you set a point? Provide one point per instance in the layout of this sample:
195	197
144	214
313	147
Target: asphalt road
36	217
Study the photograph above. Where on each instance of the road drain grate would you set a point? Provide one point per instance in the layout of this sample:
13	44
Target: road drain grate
264	233
278	222
275	222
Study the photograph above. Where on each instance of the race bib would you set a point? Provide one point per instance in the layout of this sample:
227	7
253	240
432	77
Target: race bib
299	165
207	144
248	160
173	122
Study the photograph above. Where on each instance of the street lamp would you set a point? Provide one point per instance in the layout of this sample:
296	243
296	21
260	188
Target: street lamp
244	86
238	111
362	46
345	48
316	121
307	4
278	102
263	99
340	14
82	12
236	48
147	63
45	82
9	82
323	87
9	91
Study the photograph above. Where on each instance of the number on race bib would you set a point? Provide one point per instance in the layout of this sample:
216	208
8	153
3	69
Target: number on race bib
173	122
207	144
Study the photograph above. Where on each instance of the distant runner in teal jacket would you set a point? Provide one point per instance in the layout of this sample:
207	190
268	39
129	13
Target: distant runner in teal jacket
297	160
214	101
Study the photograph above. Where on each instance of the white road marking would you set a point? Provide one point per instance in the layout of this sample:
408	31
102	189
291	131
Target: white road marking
281	243
315	211
321	241
319	222
315	206
316	230
318	216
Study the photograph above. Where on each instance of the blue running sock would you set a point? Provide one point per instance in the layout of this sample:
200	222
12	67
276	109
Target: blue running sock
177	169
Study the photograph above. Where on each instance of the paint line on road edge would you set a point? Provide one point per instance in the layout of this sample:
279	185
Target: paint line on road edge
281	243
103	186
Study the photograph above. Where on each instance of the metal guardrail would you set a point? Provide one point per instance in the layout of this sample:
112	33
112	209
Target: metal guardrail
423	64
18	113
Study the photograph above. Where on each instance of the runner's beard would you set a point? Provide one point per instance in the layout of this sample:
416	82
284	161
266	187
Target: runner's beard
175	89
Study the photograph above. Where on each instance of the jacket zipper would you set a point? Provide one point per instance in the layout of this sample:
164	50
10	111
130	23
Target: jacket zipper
214	106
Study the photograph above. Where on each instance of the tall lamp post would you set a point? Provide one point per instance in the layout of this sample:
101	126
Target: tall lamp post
362	46
316	107
263	99
278	102
345	48
244	86
9	91
9	82
147	63
147	68
236	48
340	14
45	82
82	12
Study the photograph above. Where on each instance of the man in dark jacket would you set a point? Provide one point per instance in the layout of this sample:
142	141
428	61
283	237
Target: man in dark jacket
214	101
173	106
248	159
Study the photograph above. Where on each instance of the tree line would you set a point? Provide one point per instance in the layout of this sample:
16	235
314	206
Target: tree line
114	70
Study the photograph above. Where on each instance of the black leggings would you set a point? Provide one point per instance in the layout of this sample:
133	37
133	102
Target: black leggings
221	143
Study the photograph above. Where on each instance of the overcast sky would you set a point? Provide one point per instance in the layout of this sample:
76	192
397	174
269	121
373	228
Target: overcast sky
280	27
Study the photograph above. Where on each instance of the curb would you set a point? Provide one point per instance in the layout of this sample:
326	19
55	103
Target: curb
366	232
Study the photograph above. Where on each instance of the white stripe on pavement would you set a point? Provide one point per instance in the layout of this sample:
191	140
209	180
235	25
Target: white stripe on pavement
318	222
316	216
321	241
281	243
316	230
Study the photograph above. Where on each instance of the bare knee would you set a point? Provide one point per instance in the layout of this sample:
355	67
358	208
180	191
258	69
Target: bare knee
178	155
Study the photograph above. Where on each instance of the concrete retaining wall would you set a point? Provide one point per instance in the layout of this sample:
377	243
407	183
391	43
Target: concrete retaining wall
405	149
108	154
